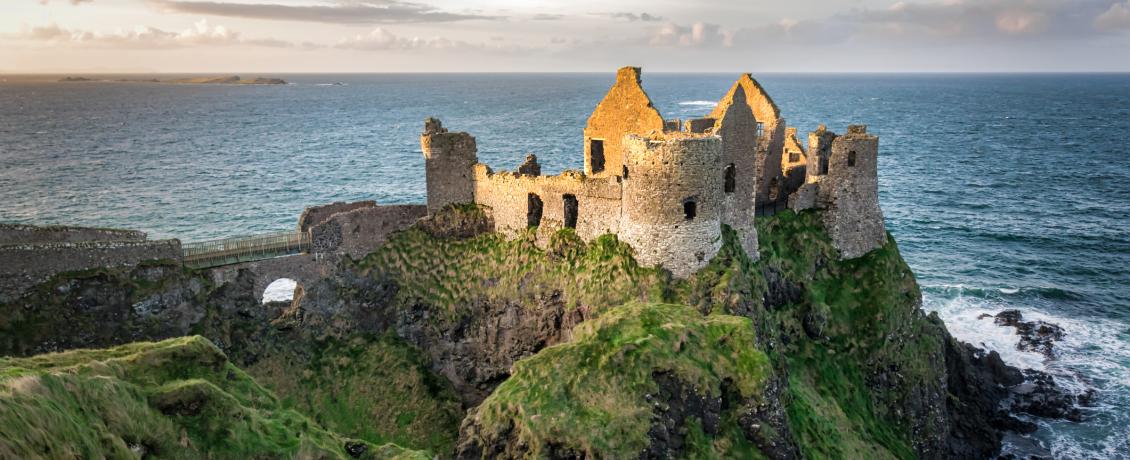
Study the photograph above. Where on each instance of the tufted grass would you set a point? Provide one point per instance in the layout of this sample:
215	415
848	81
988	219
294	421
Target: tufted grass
589	395
178	398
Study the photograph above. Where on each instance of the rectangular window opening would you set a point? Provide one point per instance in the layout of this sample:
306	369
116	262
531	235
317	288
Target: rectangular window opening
596	155
570	210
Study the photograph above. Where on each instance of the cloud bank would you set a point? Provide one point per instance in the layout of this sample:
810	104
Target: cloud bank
333	12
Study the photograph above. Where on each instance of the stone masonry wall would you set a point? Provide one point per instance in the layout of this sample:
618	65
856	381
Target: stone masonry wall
849	193
449	162
771	141
32	234
506	194
666	174
793	171
358	232
738	130
315	215
25	265
626	109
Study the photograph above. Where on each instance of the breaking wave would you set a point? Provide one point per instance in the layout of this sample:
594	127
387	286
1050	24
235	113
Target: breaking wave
699	103
1095	353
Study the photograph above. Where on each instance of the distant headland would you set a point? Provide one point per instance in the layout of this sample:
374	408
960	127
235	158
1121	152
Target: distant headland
232	80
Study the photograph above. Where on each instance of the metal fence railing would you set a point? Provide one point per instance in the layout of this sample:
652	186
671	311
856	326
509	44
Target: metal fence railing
244	249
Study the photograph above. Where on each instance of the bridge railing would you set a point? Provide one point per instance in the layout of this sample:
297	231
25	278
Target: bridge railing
244	249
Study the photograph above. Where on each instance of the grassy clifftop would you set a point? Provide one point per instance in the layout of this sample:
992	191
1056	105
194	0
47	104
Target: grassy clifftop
178	398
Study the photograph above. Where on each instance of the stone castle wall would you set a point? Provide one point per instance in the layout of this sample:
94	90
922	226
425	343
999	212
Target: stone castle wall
672	209
738	129
850	194
26	265
770	143
507	195
360	231
315	215
626	109
793	171
449	162
32	234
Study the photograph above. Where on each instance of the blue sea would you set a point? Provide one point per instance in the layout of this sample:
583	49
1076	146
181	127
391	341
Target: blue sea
1003	191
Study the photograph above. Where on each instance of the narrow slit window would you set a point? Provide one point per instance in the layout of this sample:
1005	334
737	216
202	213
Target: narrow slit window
570	211
823	165
730	179
690	209
624	172
596	155
760	129
851	158
533	210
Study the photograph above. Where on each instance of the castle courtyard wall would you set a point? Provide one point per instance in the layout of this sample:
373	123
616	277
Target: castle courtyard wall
315	215
26	265
358	232
34	234
506	195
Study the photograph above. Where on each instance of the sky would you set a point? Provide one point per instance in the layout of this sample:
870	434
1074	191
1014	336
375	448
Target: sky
289	36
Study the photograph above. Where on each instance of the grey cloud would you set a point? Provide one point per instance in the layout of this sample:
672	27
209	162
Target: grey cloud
73	2
334	12
381	39
548	17
980	19
633	17
201	34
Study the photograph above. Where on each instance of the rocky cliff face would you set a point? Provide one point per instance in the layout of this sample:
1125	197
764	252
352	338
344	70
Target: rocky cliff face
575	350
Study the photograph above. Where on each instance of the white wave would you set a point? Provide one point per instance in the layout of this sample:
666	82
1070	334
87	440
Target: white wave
280	290
699	103
1094	354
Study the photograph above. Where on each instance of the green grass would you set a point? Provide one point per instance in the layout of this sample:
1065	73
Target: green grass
179	398
377	389
589	395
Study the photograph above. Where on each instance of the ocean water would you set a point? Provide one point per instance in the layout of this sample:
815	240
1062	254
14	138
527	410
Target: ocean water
1003	191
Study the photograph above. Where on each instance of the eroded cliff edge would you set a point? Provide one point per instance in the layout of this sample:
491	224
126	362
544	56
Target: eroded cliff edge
454	339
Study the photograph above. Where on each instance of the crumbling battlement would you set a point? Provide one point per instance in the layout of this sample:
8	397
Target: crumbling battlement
450	160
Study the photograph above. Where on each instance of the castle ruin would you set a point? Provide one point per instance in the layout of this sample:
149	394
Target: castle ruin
666	187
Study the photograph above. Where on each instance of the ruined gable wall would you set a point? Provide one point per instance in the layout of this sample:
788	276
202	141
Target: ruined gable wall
793	171
506	195
850	194
626	109
449	161
770	143
665	173
738	130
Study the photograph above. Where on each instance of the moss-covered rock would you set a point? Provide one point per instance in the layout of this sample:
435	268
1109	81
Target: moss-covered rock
179	398
611	391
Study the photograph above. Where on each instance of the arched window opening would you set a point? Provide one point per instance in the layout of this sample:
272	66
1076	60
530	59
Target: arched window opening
533	210
690	209
730	180
570	210
851	158
280	290
596	155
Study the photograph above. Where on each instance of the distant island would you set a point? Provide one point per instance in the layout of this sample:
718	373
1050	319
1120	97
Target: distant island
232	80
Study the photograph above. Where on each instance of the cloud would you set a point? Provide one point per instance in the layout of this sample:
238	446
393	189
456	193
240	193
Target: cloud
633	17
966	19
547	17
73	2
697	34
381	39
330	11
201	34
1117	17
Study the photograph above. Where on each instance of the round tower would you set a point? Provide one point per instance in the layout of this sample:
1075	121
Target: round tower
672	200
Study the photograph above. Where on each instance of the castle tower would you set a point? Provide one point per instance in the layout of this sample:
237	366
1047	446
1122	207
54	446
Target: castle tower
770	134
626	109
737	127
449	162
819	152
849	194
794	164
672	200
